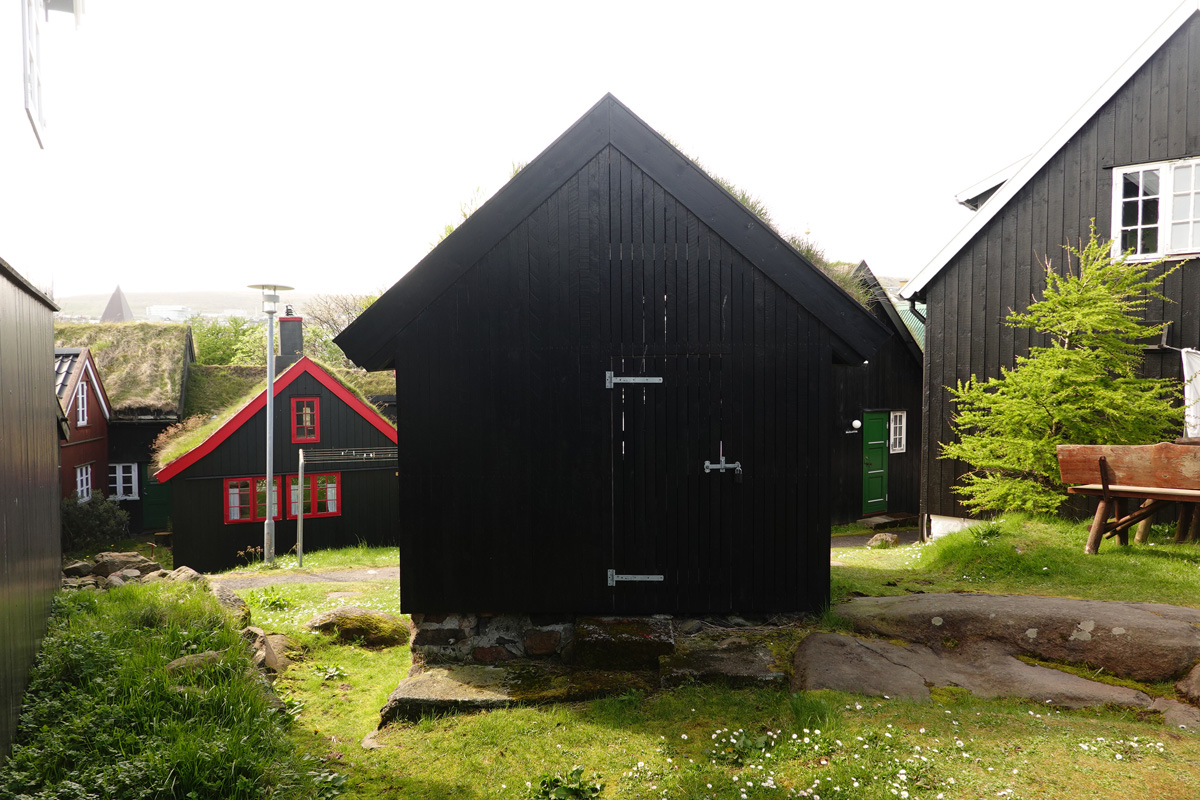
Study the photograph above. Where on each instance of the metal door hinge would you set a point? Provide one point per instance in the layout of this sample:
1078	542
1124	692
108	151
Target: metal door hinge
613	577
610	379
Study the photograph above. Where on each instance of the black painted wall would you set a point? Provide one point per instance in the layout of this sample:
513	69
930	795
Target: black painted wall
1155	116
525	479
30	547
203	541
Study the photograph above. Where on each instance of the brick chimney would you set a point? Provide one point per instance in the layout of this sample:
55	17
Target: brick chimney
291	341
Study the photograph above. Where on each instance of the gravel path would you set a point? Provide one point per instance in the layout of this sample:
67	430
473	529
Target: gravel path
254	580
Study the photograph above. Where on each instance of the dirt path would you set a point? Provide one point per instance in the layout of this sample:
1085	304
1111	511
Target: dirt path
254	580
907	536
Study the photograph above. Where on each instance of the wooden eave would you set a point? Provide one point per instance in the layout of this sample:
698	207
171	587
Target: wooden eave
369	340
305	366
992	207
19	280
880	295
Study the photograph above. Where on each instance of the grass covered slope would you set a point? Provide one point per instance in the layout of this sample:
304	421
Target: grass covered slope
102	718
1026	555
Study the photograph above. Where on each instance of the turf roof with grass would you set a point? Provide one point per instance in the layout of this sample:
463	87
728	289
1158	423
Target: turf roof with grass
208	413
143	364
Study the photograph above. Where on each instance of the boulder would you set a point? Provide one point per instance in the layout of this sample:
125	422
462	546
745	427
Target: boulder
184	573
266	657
352	624
113	582
130	574
195	662
1129	640
1189	685
884	540
78	569
235	605
108	563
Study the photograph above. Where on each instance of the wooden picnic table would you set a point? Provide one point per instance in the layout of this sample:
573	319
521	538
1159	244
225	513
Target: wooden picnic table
1155	474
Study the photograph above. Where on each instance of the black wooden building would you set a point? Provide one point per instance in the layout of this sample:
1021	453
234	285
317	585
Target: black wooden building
1127	159
876	458
30	546
571	358
218	499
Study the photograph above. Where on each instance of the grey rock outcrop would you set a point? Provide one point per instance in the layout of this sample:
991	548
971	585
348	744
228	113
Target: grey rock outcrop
1128	639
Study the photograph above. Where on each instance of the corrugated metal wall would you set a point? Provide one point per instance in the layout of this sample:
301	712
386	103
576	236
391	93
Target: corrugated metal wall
30	550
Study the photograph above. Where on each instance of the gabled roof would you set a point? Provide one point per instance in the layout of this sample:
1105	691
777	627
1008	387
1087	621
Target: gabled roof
975	196
144	364
1039	159
71	365
225	429
118	309
885	302
369	340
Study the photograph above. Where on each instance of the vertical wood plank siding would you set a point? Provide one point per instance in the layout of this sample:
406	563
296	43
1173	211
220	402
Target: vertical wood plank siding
30	547
1154	117
203	541
524	479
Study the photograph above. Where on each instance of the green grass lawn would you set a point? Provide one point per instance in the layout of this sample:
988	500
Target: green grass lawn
698	741
705	741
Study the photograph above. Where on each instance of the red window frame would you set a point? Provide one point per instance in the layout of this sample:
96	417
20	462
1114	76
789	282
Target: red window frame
320	505
253	511
306	419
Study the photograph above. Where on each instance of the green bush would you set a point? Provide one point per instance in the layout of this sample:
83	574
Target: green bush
103	718
97	521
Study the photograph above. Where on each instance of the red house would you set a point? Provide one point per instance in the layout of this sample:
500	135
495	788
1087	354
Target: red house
83	458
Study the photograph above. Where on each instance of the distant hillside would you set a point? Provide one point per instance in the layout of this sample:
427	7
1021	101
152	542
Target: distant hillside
247	301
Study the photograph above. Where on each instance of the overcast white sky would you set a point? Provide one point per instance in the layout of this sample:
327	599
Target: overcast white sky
209	145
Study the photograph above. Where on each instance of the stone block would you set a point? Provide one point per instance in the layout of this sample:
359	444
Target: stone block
541	642
622	642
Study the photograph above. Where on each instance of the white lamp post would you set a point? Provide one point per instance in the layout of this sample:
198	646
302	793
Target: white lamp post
270	297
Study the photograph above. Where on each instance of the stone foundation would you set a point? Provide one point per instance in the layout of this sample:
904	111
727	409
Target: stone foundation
489	639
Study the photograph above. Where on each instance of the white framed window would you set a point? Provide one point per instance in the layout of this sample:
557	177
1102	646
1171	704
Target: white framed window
123	481
83	483
898	432
81	408
1156	209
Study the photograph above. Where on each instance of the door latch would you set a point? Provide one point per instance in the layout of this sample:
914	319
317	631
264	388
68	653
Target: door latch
721	466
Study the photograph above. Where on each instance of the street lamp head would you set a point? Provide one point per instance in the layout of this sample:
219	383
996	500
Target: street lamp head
270	295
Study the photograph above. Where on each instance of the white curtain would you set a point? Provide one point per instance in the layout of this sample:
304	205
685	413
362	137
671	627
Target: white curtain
1191	392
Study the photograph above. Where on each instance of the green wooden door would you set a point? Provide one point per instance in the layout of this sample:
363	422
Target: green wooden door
875	462
156	501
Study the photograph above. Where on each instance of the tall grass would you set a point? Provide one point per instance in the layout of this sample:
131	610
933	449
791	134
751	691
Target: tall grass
102	717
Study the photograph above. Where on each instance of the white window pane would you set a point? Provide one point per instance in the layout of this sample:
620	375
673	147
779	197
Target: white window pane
1150	183
331	497
1181	207
1183	178
1179	235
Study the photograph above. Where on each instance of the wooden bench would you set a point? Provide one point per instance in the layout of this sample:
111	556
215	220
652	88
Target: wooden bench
1155	474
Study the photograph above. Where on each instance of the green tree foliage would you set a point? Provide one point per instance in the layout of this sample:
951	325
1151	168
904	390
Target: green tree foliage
1083	388
235	340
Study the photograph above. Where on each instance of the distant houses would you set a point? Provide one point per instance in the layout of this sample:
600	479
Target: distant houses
144	369
83	457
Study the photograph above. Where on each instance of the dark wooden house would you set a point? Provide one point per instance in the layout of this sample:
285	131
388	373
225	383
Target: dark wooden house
614	391
30	547
1128	159
83	460
219	498
877	418
145	368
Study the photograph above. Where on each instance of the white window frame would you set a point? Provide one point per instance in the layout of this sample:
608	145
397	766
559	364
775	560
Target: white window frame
1178	187
32	13
83	483
123	481
897	431
81	404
